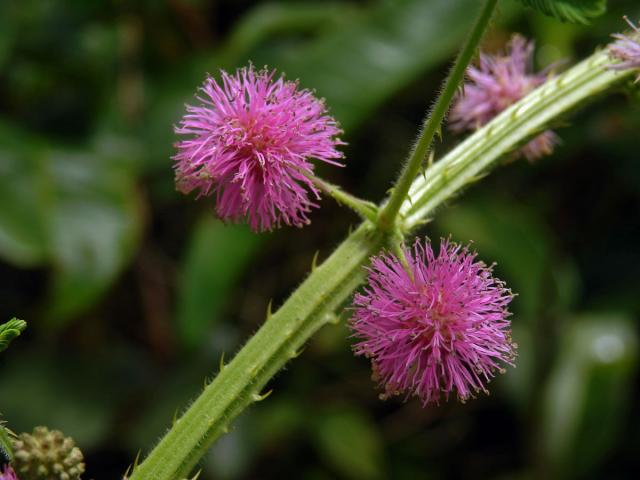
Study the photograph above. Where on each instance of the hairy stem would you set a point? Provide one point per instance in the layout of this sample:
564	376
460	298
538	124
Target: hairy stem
367	210
240	383
433	122
468	161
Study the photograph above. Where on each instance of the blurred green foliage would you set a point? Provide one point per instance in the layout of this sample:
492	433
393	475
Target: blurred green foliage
217	256
588	393
133	292
578	11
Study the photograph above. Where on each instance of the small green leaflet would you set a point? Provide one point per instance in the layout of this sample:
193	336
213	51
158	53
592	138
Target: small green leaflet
9	331
6	454
576	11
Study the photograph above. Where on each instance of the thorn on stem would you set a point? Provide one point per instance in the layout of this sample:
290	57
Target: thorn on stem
256	397
132	468
297	353
314	262
332	318
269	311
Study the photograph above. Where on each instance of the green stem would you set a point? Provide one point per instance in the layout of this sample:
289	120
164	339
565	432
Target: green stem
470	159
367	210
433	121
239	384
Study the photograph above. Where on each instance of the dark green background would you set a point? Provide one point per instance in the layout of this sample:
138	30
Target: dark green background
132	292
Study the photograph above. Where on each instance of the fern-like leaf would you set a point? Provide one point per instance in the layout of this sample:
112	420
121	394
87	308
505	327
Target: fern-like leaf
10	330
576	11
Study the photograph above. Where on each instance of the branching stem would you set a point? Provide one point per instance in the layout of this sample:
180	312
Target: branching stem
312	305
433	122
366	209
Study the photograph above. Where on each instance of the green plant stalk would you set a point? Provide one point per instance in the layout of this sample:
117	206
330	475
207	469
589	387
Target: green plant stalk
367	210
240	383
517	124
312	305
433	122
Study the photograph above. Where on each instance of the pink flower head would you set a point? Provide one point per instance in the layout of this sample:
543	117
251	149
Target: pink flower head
626	50
7	473
250	142
440	330
498	82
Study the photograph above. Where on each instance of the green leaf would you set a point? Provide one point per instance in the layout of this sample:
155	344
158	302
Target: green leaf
576	11
216	257
23	181
74	210
351	443
9	331
94	227
275	19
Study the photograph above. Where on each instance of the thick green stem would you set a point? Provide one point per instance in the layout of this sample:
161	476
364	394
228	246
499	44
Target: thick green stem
240	383
467	162
433	122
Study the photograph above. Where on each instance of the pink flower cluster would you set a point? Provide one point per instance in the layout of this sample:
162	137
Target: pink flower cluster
498	82
250	141
441	329
626	50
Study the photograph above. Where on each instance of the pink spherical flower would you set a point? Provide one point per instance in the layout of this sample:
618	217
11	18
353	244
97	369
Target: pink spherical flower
7	473
498	82
250	142
626	50
444	329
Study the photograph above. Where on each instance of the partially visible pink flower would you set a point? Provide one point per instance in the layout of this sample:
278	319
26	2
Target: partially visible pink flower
442	330
7	473
540	146
250	142
627	50
498	82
